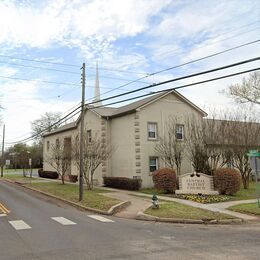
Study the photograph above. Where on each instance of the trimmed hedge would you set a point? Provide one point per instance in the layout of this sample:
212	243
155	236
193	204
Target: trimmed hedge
227	181
122	183
73	178
48	174
165	180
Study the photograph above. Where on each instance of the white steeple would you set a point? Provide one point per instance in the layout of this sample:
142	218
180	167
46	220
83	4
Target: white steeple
97	89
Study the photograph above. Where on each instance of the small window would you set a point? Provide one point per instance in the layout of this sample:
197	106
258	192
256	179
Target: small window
152	130
180	132
89	136
48	145
153	164
57	143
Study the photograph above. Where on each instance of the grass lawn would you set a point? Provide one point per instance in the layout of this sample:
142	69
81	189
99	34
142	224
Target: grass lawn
92	199
19	177
249	208
180	211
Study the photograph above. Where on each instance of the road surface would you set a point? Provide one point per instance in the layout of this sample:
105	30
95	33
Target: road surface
38	227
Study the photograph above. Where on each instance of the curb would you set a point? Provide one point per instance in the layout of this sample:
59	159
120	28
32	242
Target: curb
114	209
145	217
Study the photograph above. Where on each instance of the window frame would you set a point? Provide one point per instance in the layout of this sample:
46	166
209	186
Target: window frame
156	163
89	136
156	131
182	133
48	145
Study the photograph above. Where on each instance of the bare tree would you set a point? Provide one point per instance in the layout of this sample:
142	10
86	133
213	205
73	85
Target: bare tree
96	151
60	159
205	143
169	147
248	91
242	133
44	122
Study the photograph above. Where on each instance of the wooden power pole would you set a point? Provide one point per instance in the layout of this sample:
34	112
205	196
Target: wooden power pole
3	151
81	139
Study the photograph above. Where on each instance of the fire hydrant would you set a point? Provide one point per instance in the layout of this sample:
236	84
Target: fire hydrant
155	202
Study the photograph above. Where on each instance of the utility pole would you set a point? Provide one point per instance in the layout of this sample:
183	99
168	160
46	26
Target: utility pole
81	139
3	151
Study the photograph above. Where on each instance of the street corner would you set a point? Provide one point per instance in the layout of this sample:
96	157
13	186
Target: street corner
3	210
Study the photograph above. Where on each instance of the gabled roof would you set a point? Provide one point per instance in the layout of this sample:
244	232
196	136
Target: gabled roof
112	112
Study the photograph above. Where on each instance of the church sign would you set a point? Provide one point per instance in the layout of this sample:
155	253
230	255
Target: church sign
196	183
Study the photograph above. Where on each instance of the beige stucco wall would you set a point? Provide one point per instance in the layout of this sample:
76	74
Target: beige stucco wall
92	122
122	140
160	112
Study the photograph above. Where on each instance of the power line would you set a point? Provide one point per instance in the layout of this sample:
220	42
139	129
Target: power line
183	64
42	68
182	86
33	60
150	86
152	93
182	77
41	81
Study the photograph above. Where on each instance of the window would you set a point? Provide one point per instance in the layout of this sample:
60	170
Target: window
57	143
180	132
152	130
48	145
153	164
89	136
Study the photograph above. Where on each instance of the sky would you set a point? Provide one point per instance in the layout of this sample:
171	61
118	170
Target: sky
129	39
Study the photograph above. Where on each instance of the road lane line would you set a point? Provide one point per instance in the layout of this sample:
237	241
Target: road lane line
3	215
63	221
19	224
100	218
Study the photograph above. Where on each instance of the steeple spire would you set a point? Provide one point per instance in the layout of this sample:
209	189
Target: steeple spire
97	89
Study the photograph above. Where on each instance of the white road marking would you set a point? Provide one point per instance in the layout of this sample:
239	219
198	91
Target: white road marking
64	221
2	215
19	224
100	218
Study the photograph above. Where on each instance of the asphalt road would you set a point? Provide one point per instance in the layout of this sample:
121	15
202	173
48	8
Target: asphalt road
42	237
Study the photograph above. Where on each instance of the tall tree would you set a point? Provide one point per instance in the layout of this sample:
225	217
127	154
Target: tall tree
248	91
44	122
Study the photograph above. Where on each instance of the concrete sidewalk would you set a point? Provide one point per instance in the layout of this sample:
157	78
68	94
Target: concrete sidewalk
140	204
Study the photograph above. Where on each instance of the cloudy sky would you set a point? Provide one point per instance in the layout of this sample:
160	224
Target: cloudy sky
129	39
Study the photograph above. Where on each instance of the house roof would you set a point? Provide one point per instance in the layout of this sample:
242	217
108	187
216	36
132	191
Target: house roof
112	112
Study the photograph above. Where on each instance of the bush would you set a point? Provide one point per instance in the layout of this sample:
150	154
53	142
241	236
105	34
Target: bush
165	180
227	181
122	183
73	178
48	174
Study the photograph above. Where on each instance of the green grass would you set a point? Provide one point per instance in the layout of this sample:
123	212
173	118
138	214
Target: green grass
245	194
92	199
19	177
180	211
248	208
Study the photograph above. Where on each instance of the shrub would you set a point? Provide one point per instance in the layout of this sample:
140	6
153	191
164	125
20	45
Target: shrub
73	178
227	181
165	180
48	174
122	183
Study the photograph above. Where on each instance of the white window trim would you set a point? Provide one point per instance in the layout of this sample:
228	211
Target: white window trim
178	125
157	163
156	131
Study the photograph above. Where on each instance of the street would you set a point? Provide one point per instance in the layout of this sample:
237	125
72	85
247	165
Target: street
38	227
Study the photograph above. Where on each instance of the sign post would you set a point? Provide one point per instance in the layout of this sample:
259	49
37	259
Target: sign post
254	156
